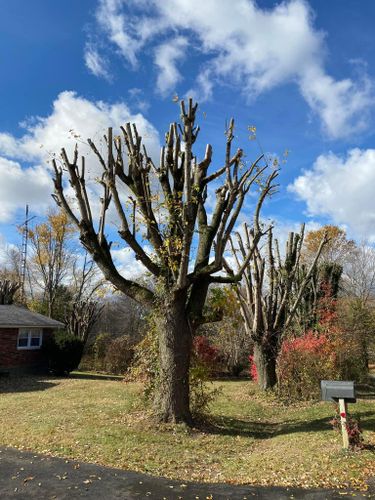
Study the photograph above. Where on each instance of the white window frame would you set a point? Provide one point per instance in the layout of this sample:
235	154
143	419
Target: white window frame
31	332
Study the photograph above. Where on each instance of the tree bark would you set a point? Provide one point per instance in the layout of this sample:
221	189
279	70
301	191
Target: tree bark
175	343
265	361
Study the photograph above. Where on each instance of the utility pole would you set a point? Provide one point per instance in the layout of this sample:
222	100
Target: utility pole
25	239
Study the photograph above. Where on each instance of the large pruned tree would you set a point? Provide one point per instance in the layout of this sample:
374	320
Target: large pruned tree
188	244
272	290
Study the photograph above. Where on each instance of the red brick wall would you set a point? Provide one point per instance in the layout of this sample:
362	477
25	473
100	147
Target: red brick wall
11	357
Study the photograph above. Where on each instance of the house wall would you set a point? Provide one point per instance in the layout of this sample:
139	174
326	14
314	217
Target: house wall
13	358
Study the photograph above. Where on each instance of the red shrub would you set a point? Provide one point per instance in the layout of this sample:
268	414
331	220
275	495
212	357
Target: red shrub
310	342
302	363
204	351
253	369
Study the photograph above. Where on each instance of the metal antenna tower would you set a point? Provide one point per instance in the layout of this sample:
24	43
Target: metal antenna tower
25	239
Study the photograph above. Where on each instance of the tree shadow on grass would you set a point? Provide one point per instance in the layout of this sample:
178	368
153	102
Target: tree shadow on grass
264	430
24	384
94	376
366	390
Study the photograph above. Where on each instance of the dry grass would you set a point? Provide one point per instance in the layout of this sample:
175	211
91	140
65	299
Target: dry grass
250	438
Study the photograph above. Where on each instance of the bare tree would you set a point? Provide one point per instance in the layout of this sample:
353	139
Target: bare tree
271	293
183	273
122	315
84	311
82	317
7	290
359	274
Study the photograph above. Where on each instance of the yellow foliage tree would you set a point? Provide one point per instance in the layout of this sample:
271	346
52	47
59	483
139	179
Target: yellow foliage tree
51	257
337	249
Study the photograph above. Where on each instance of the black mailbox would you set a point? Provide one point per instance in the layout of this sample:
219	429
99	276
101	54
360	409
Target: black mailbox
333	390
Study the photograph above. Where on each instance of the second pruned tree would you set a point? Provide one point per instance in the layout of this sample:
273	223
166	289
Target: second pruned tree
164	218
273	287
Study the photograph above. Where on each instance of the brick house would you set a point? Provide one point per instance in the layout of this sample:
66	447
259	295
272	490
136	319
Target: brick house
22	333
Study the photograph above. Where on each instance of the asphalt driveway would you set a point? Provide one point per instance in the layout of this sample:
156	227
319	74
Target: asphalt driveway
26	475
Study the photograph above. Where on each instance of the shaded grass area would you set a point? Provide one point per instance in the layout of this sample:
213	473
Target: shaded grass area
95	376
250	438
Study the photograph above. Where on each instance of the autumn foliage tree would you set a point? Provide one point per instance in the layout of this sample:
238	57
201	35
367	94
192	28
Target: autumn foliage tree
337	249
168	201
327	277
51	257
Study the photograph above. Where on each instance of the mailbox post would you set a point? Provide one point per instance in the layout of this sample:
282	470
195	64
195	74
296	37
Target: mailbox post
342	392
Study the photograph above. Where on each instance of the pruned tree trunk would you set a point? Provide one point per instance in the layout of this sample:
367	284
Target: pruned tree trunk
188	244
272	292
265	361
175	342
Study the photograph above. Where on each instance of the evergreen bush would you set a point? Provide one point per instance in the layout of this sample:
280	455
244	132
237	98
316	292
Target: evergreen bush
64	352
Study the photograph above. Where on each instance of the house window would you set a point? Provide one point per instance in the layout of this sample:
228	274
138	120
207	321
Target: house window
29	338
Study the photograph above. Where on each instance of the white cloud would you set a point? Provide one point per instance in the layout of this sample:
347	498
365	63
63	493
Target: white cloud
342	105
113	23
166	56
20	186
5	249
245	45
72	119
8	145
137	99
96	63
127	265
342	188
203	90
282	228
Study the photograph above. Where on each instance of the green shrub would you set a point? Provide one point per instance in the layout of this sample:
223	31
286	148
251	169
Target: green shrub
202	392
64	352
99	350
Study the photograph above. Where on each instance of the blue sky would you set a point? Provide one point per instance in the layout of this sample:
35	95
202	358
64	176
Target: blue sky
302	72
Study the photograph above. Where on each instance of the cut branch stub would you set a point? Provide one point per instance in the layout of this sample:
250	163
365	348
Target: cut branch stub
184	183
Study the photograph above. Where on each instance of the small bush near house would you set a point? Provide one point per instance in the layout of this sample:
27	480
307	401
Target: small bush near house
64	352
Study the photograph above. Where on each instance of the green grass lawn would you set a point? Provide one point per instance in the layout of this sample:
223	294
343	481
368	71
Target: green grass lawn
250	438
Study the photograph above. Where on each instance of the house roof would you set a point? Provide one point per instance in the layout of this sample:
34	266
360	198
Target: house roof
12	316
